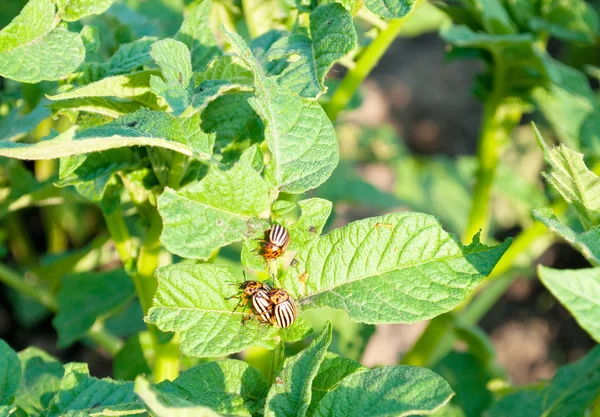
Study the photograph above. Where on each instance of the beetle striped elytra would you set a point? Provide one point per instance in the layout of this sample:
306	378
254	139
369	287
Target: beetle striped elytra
284	307
256	292
276	242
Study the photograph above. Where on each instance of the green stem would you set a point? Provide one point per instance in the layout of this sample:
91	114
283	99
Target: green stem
147	262
176	172
499	119
20	243
365	64
166	359
120	235
42	295
277	359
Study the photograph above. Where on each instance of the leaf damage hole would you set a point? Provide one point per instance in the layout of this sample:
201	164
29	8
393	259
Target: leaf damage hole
386	225
312	229
132	124
219	222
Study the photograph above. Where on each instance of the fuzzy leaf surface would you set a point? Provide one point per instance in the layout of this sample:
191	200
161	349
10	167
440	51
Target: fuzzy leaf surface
291	397
142	128
332	36
228	386
176	85
390	9
387	391
10	373
588	243
570	176
72	10
222	208
42	374
191	300
397	268
579	291
196	34
299	134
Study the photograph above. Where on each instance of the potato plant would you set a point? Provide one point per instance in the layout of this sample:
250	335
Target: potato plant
168	137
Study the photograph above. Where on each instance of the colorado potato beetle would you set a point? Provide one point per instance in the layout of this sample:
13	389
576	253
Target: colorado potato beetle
276	242
284	308
257	293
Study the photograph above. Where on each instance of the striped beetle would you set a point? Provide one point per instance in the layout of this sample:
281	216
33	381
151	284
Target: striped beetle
284	309
257	293
278	239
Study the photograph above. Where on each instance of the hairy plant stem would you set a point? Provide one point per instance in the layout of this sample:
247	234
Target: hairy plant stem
500	117
42	295
365	64
277	359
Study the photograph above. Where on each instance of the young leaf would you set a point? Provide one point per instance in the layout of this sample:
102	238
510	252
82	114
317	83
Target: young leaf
579	291
298	132
72	10
33	49
588	243
7	410
332	36
168	405
228	386
128	57
221	209
192	300
10	373
573	180
314	212
290	396
390	9
134	86
142	128
84	297
397	268
195	32
495	18
81	395
332	371
42	374
386	391
176	85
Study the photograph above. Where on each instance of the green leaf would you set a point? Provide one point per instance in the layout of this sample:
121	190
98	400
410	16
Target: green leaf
332	371
176	85
10	373
495	18
191	300
314	213
228	386
84	297
81	395
386	391
7	410
520	404
579	291
291	394
168	405
468	378
571	392
133	359
332	36
72	10
210	90
397	268
42	374
449	410
195	32
134	87
48	58
221	209
572	20
521	64
571	107
299	134
390	9
16	124
142	128
129	56
588	243
573	180
33	49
